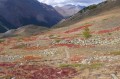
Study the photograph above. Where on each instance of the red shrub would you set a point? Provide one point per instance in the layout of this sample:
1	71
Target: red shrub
37	72
104	31
76	58
77	29
1	49
108	31
31	57
7	64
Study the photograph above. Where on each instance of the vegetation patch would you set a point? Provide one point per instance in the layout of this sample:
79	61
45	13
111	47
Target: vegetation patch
95	65
115	53
2	40
53	37
87	33
57	40
36	72
109	30
19	46
31	57
78	28
84	66
88	8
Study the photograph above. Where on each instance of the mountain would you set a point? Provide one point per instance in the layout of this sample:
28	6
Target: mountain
17	13
90	11
68	10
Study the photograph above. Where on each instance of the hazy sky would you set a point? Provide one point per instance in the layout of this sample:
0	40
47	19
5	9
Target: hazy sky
75	2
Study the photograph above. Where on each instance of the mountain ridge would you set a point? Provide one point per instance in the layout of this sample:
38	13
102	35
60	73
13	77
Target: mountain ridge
17	13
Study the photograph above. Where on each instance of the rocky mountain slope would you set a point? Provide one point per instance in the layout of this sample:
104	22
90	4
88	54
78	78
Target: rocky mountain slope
90	11
68	10
17	13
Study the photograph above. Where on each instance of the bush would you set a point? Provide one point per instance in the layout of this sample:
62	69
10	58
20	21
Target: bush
1	40
86	33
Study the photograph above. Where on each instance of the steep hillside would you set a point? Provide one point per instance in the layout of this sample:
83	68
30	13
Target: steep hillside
17	13
90	11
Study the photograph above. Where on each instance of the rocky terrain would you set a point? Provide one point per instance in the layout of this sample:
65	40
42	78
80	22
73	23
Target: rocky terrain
88	49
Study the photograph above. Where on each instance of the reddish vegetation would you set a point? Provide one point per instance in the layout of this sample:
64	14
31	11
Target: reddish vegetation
104	31
7	64
36	72
31	57
8	41
29	39
77	29
99	32
108	31
68	45
32	48
77	58
1	49
43	38
36	48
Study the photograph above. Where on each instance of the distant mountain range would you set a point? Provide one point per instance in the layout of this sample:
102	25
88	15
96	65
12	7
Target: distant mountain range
17	13
68	10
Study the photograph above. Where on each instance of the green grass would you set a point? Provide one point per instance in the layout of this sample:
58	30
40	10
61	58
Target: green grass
109	33
95	65
21	46
70	65
79	34
57	40
84	66
53	37
115	53
2	40
105	19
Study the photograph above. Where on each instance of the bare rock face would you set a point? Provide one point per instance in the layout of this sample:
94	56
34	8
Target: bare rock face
17	13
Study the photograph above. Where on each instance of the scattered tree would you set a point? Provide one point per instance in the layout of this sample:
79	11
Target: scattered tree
86	33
